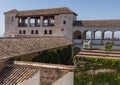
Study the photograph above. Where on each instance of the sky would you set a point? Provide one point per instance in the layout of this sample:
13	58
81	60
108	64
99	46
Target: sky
86	9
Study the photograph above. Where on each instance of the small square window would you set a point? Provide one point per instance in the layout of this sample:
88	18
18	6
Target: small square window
20	32
50	31
62	29
12	19
32	31
24	32
45	31
64	22
36	32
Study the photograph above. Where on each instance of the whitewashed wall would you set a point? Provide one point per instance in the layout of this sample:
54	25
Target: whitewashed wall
68	79
35	80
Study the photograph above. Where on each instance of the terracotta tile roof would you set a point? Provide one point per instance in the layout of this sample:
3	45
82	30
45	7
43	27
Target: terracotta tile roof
49	73
97	23
11	11
50	11
12	75
18	72
10	47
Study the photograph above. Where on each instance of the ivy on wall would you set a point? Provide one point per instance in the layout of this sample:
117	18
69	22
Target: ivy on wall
96	71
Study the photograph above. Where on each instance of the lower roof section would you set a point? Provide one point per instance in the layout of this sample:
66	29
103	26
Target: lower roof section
97	23
22	71
10	47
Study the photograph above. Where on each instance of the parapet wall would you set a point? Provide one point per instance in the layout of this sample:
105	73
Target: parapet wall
44	65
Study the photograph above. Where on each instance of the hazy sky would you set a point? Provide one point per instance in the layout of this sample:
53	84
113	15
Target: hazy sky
86	9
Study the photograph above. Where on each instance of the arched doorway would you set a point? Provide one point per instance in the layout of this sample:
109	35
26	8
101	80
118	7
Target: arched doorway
77	35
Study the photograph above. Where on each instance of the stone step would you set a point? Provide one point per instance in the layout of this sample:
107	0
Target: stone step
99	53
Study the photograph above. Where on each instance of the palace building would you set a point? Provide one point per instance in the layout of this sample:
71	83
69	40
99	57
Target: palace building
61	22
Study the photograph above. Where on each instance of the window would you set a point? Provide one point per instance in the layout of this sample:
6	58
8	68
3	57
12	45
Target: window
62	29
64	22
24	32
12	19
36	32
32	22
45	31
32	31
20	32
50	31
48	21
23	22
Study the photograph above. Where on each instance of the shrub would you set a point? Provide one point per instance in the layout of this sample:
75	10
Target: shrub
58	57
108	46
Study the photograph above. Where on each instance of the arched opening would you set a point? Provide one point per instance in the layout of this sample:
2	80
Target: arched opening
77	35
50	31
107	35
88	35
45	31
32	22
20	32
36	32
24	32
32	31
117	35
98	35
76	50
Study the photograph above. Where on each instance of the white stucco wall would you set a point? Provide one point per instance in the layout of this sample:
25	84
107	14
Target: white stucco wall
11	23
35	80
60	29
68	79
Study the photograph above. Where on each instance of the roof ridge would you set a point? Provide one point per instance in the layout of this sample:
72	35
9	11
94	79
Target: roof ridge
11	11
43	9
97	23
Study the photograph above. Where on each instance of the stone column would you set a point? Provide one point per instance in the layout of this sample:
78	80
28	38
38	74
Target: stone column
36	22
82	37
92	36
102	37
41	21
113	37
28	21
18	20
